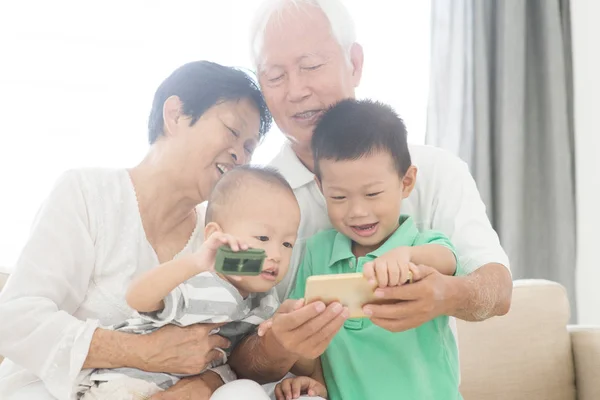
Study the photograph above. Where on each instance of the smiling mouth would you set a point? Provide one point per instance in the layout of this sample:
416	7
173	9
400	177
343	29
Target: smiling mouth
365	230
223	168
307	115
270	273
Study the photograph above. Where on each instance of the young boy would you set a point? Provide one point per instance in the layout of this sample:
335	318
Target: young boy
249	207
363	167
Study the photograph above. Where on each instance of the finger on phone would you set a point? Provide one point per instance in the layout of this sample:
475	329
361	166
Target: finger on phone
301	316
415	271
290	305
381	270
369	272
394	274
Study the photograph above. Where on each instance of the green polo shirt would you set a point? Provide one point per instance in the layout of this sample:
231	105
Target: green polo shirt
364	361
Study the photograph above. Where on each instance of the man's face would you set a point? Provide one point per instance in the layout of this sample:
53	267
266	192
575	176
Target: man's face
303	71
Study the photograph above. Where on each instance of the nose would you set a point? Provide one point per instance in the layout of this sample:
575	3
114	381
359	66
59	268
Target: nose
238	157
358	209
274	252
298	89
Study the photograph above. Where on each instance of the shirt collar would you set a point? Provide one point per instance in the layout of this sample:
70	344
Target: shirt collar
405	235
290	166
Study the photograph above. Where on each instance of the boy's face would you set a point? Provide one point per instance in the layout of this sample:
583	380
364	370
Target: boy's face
364	197
266	217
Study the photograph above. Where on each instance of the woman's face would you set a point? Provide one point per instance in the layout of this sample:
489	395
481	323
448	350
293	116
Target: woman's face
225	136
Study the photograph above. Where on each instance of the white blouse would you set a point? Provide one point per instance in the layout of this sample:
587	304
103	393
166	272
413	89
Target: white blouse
86	245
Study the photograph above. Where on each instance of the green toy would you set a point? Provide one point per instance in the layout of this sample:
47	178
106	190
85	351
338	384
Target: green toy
244	262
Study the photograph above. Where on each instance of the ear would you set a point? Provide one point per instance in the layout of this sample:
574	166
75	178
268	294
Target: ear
211	228
172	113
319	184
356	59
408	181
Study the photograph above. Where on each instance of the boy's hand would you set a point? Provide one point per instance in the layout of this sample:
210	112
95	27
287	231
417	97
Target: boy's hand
391	269
205	257
293	388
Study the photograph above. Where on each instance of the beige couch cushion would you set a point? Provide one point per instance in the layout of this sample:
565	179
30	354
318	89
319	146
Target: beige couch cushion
530	354
586	350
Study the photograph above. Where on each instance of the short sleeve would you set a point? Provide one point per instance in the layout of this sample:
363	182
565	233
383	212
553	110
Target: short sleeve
304	272
268	304
435	237
459	212
204	298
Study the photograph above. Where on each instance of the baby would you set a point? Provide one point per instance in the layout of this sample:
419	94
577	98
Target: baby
364	169
250	207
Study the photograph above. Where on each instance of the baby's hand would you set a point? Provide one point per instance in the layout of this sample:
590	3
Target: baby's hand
391	269
205	256
293	388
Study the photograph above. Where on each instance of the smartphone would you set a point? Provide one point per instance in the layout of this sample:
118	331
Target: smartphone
244	262
351	290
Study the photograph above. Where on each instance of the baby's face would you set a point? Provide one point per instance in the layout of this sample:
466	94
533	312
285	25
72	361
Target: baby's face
266	218
364	197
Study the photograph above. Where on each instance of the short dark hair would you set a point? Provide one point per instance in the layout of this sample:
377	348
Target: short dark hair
228	187
352	129
201	85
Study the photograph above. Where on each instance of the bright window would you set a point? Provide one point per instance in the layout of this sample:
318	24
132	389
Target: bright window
77	80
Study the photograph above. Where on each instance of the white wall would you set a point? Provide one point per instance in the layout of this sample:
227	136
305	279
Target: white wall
586	52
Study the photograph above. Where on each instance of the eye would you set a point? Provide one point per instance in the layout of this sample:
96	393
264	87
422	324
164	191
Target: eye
262	238
313	67
234	132
276	79
374	194
338	197
288	245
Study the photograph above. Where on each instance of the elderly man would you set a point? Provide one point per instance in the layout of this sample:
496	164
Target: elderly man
307	59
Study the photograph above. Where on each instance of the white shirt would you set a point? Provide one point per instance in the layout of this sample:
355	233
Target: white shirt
86	245
445	198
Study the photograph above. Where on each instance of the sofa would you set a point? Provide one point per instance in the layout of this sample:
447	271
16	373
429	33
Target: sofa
530	353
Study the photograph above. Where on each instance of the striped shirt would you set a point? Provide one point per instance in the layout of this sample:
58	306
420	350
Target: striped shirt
204	298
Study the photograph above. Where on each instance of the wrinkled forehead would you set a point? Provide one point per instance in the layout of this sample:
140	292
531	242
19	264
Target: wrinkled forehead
293	33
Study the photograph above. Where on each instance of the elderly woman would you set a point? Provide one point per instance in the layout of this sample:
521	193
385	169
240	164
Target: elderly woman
100	228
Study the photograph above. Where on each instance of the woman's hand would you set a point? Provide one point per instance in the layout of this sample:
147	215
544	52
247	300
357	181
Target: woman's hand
177	350
293	388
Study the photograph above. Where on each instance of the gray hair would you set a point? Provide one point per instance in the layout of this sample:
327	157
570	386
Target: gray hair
340	20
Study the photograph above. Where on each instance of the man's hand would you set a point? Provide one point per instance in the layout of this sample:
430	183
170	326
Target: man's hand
295	330
306	330
178	350
416	303
194	388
